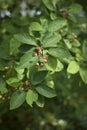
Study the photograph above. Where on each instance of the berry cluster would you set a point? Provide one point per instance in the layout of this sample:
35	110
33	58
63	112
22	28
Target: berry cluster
42	58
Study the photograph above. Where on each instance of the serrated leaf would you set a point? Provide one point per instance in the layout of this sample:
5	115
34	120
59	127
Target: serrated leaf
31	97
17	99
56	25
73	67
45	91
51	41
25	38
83	74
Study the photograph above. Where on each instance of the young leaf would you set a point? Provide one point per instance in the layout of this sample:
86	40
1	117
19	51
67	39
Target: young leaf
14	82
73	67
51	64
31	97
59	66
17	99
45	91
35	26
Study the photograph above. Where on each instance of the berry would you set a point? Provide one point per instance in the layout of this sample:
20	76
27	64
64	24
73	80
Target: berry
46	57
35	54
6	68
45	60
38	48
37	64
27	82
41	64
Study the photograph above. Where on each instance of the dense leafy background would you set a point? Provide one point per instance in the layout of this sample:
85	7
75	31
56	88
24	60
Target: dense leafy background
60	28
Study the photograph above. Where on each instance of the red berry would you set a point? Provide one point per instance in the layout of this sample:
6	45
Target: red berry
27	82
38	48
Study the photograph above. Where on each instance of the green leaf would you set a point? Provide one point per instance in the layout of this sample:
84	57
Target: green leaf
11	73
59	66
14	82
27	60
84	49
83	74
50	83
73	67
14	46
31	97
3	88
53	16
76	43
37	77
51	63
60	53
75	8
20	73
48	4
51	41
45	91
4	47
35	26
17	99
57	24
72	17
40	102
54	2
25	38
68	43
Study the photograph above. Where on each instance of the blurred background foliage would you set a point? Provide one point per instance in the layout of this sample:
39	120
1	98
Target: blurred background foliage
67	111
